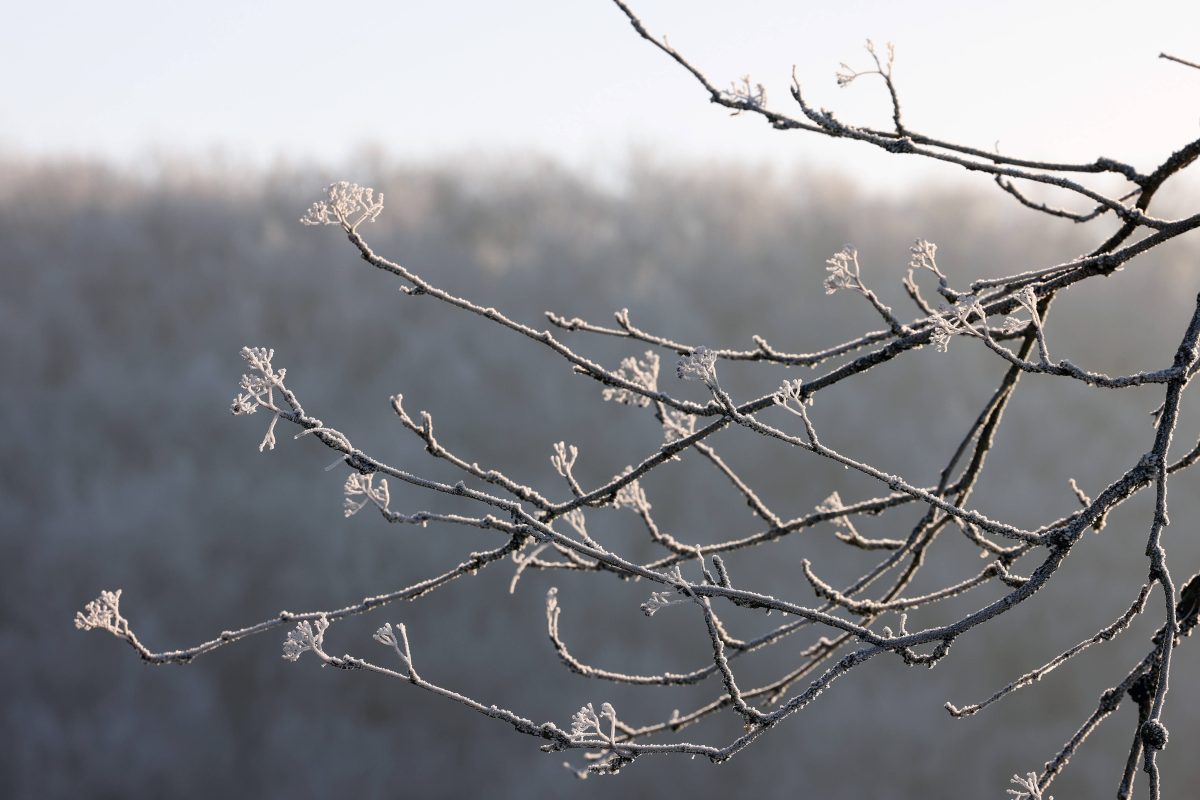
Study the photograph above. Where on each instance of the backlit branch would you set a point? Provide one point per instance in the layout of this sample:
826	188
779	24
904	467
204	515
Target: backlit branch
698	579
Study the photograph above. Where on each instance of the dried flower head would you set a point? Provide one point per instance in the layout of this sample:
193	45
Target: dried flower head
346	204
943	331
641	372
701	365
104	613
258	387
359	490
304	637
631	496
585	723
385	635
743	91
1028	788
847	74
843	271
791	393
923	256
564	458
578	521
677	425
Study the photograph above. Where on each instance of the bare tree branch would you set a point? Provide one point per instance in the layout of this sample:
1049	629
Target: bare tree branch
693	577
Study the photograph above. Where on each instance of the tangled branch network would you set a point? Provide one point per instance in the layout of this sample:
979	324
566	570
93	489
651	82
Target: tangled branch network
1006	316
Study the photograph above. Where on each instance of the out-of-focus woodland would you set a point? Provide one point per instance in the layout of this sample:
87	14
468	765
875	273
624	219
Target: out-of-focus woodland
124	301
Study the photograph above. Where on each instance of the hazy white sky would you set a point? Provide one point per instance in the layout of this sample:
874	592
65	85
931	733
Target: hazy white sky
570	79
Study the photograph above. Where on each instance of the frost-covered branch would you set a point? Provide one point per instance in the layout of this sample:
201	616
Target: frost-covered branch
697	578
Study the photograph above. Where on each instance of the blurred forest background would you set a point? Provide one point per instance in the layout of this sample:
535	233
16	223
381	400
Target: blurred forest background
125	298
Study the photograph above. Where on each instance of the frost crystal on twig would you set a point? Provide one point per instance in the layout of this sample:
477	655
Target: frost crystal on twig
347	204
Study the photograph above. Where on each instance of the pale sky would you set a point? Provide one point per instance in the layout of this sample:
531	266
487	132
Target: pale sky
569	79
